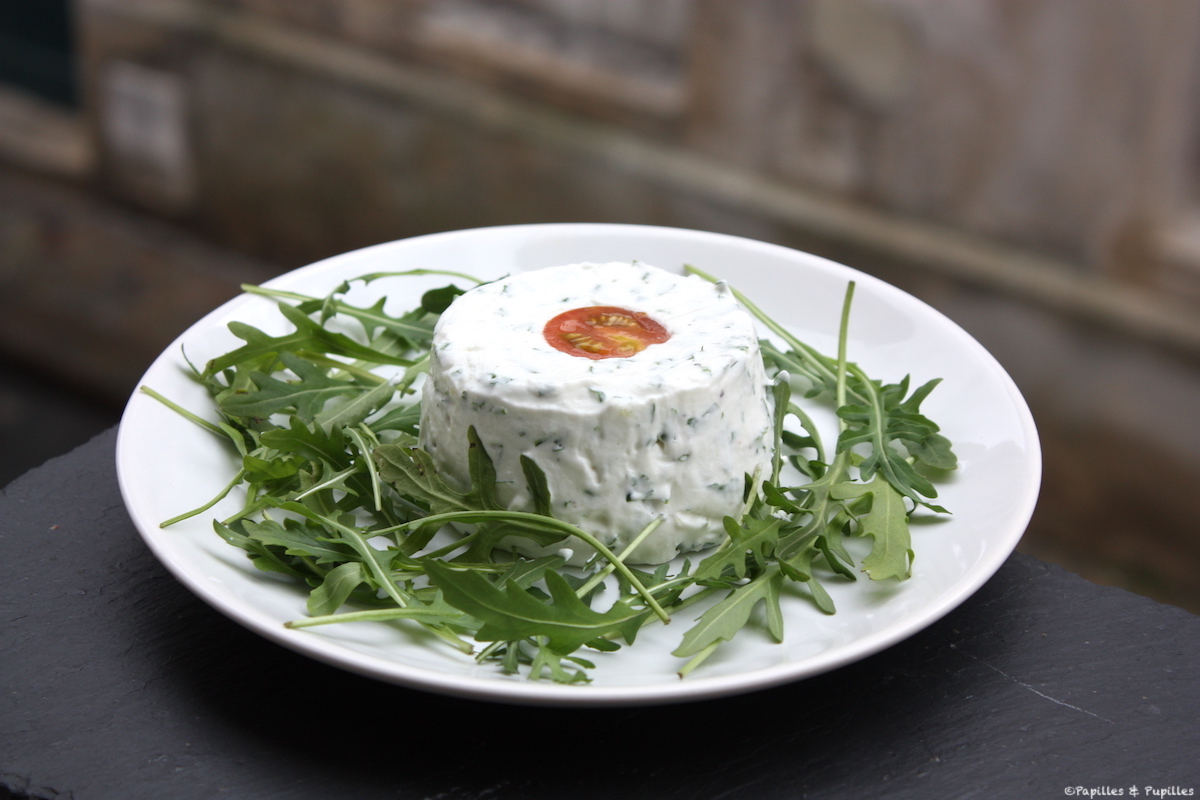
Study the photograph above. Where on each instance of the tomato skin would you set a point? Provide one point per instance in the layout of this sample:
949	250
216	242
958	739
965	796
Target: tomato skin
598	332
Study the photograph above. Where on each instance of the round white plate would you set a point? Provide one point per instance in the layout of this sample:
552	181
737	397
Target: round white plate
167	465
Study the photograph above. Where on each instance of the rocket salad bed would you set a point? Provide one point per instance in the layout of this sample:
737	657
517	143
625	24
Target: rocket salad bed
339	496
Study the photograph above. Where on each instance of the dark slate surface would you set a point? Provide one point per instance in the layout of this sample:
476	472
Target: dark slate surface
118	683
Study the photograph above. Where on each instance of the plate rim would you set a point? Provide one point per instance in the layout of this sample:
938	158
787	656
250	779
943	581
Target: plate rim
526	692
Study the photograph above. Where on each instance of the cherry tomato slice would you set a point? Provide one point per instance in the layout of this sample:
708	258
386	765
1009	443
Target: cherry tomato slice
603	332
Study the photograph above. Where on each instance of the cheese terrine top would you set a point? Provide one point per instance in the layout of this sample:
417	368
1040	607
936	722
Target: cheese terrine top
493	338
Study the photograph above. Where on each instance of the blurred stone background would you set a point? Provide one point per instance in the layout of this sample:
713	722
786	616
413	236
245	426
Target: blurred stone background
1029	167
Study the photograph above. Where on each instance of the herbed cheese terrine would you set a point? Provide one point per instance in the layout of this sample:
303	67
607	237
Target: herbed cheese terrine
640	393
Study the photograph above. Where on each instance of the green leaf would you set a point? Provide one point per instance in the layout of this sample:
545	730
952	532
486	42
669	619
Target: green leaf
483	474
356	409
754	538
377	562
310	443
539	488
259	346
408	328
823	511
402	418
412	472
723	621
886	418
306	395
435	301
308	335
781	392
820	597
261	555
339	583
934	451
773	496
298	538
259	470
511	613
887	523
525	572
434	613
547	663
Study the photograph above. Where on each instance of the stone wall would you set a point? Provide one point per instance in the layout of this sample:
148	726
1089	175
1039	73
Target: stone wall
91	292
1065	128
1027	167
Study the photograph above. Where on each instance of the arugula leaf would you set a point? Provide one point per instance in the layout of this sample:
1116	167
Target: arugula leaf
511	612
435	301
355	410
309	442
402	418
754	539
889	418
723	621
306	395
411	471
550	664
781	393
336	588
408	329
261	555
298	538
308	336
886	522
539	488
526	573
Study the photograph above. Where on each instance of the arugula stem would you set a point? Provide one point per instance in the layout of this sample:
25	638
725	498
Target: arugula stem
755	489
843	335
611	567
220	496
450	548
823	365
698	659
421	365
263	291
183	412
819	489
377	275
679	605
813	358
487	652
250	508
374	614
250	288
671	584
328	483
352	369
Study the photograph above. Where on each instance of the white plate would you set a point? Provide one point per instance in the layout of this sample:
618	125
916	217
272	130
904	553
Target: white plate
167	465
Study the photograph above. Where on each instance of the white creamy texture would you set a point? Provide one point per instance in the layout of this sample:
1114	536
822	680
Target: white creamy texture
670	431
